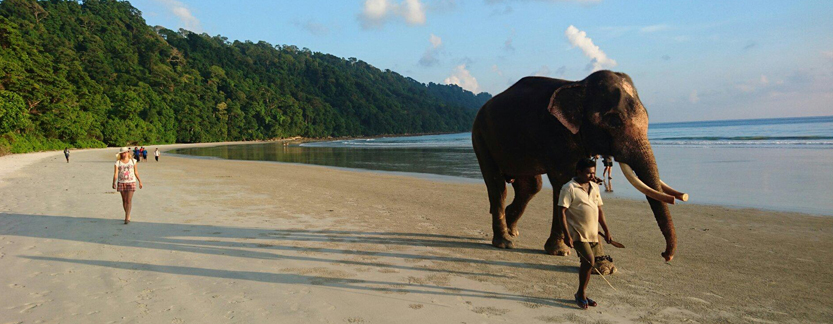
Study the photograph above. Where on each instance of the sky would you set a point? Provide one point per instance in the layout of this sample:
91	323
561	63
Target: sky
690	60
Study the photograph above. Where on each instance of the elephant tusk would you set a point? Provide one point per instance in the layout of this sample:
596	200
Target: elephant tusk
679	195
642	187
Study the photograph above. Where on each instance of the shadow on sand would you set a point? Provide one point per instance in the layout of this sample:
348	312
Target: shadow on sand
208	239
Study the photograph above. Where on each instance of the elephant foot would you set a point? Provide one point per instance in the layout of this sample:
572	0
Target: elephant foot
604	265
513	232
556	247
503	242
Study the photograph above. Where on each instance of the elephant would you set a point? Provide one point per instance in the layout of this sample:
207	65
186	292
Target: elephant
544	125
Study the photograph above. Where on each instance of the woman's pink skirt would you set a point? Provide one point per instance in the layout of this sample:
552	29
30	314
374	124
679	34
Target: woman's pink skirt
126	186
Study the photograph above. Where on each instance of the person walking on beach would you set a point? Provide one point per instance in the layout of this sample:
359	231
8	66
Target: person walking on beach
125	177
580	207
607	161
156	154
144	154
136	154
66	153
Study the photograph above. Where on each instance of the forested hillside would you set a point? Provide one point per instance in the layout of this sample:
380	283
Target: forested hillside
93	73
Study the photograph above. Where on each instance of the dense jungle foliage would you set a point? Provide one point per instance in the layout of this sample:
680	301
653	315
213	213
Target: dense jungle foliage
94	74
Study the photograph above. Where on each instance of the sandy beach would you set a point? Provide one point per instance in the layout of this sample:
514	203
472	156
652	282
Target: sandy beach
218	241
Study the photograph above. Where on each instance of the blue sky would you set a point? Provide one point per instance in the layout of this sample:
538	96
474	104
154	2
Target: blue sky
690	60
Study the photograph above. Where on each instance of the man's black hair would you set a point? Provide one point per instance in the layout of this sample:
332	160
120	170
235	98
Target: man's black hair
584	164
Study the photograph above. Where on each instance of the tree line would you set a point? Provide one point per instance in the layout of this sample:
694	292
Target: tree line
94	74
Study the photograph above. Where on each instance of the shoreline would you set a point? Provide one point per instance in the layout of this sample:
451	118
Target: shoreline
33	157
629	192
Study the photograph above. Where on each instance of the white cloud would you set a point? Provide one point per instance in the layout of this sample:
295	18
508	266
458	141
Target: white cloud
413	11
764	79
436	41
429	58
598	59
827	54
376	12
183	13
463	78
693	97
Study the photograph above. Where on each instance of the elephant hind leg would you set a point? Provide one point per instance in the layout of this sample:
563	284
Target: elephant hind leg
496	187
525	188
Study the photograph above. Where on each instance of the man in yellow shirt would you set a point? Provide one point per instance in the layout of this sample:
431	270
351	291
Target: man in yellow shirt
580	207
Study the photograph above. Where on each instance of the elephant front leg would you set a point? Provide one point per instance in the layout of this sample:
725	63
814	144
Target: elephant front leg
555	244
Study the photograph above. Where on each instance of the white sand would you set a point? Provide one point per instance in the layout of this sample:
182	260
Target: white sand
256	242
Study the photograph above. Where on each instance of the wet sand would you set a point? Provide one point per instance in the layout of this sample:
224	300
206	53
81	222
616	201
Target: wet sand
240	241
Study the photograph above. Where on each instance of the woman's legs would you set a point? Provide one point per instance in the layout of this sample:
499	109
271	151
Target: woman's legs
127	203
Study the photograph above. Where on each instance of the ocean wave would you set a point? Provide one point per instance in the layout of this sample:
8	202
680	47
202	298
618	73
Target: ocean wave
761	144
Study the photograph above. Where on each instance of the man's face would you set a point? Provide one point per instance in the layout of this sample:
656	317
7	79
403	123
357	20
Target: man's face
585	175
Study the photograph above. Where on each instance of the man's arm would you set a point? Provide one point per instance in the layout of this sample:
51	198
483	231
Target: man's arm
603	223
568	239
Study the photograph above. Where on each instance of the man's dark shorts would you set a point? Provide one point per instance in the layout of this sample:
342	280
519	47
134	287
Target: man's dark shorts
588	251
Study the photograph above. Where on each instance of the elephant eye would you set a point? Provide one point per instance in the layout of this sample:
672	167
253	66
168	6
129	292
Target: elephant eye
613	120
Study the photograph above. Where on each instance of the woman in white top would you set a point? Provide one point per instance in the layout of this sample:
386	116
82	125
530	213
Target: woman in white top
125	176
156	154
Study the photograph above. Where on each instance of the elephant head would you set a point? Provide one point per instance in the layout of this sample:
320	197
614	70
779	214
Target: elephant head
605	111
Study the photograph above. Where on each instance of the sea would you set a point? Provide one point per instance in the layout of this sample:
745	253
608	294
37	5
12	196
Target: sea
783	164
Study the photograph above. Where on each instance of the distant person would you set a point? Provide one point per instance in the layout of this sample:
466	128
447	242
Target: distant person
125	176
66	153
580	207
136	153
607	161
144	154
156	154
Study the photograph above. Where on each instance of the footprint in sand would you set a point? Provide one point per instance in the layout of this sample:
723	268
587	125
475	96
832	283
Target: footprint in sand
415	306
490	311
29	306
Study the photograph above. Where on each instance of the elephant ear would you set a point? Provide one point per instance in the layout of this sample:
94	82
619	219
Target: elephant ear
566	104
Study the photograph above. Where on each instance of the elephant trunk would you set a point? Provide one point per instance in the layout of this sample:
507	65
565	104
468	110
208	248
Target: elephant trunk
645	167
